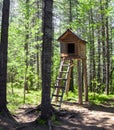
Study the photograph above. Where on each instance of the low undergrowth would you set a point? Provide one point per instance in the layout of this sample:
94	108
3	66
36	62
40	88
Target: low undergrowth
17	98
33	97
94	98
98	99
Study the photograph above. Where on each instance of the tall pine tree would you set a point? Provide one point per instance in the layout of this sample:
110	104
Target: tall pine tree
3	57
46	58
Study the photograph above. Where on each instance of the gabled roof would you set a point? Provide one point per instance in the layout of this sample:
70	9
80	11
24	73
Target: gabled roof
67	32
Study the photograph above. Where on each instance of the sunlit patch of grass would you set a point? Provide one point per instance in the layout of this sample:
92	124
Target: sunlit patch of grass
16	99
33	97
72	96
101	99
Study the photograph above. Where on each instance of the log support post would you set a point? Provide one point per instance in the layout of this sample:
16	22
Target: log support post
84	66
79	69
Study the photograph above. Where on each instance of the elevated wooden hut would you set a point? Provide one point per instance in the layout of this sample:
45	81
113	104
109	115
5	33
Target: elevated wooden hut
72	46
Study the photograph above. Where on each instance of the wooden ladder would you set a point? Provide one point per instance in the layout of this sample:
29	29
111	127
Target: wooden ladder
62	83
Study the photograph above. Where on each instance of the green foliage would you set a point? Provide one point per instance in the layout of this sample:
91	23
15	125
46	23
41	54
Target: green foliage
30	16
15	100
54	120
41	121
72	96
25	23
55	69
53	117
97	87
101	99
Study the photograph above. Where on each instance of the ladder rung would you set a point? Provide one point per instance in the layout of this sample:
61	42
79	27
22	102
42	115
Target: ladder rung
60	87
61	79
63	71
58	101
56	105
56	95
66	65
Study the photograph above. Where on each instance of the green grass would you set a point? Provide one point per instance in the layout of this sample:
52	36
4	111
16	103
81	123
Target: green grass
101	99
16	99
72	96
94	98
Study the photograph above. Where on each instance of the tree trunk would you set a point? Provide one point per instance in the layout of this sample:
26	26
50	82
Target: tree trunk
38	46
70	11
103	42
111	62
71	88
84	66
46	58
79	69
107	53
26	48
99	57
3	56
92	50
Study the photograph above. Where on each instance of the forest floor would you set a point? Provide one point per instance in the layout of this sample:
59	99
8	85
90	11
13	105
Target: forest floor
72	117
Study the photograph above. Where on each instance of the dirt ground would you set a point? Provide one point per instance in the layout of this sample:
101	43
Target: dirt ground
72	117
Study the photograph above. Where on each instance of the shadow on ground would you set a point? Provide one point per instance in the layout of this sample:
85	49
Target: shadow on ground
68	119
102	107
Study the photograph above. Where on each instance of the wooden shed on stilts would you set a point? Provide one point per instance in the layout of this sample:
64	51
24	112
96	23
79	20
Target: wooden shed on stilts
72	48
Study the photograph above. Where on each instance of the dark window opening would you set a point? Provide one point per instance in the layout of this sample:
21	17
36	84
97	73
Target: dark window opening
71	48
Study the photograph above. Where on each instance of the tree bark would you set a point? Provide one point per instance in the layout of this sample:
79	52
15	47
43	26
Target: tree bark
71	88
26	48
84	66
99	57
107	53
46	58
79	69
103	41
3	56
92	50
